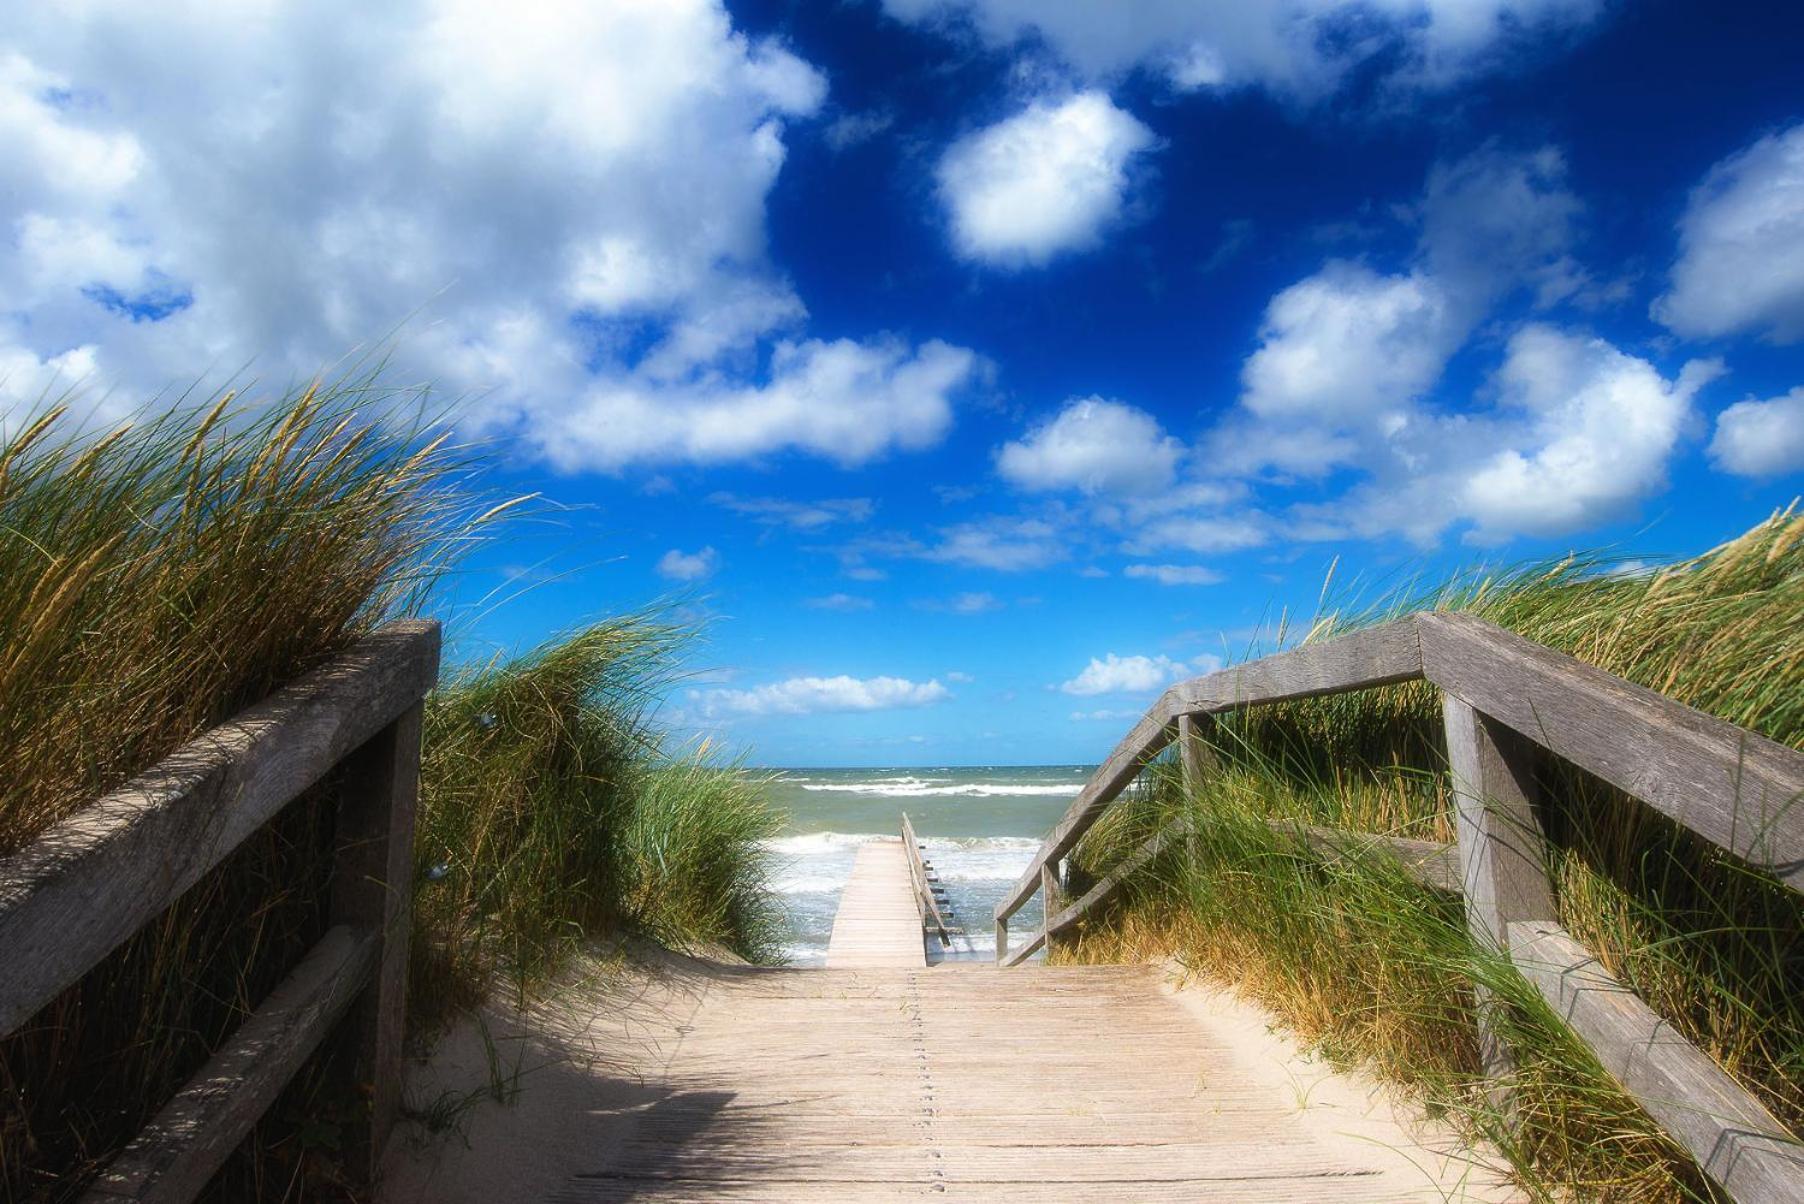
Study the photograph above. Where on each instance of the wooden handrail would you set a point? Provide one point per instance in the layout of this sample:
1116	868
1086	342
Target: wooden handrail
925	903
1502	695
88	884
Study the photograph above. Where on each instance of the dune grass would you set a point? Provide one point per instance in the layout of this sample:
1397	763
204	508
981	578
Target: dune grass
156	579
552	814
1373	968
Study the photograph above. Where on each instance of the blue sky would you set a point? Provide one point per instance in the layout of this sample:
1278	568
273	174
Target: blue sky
972	368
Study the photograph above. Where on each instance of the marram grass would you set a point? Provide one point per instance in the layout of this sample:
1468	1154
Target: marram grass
158	578
1371	967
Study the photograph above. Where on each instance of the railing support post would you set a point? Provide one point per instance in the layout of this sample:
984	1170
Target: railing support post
372	889
1195	760
1502	855
1049	899
1001	939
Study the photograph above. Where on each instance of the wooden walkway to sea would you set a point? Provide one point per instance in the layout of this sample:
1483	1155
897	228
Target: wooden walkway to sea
882	1075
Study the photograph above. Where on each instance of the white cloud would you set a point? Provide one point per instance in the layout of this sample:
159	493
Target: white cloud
1741	246
688	566
845	401
1348	344
1302	48
846	602
959	679
1007	544
1095	446
1173	574
1203	533
1601	427
1046	180
811	695
1761	438
1112	674
568	199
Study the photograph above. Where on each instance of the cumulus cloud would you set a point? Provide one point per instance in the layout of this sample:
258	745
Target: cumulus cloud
1047	180
1349	344
1741	246
1298	48
844	401
1112	674
1104	714
1761	438
580	244
1095	446
688	566
812	695
1601	427
1173	574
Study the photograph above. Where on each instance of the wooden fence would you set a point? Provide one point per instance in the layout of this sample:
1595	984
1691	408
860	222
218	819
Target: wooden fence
1502	696
90	882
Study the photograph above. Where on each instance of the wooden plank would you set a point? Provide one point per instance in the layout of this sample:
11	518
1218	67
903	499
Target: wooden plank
178	1152
1372	656
372	890
1734	788
1146	740
87	884
1502	855
1433	864
1736	1141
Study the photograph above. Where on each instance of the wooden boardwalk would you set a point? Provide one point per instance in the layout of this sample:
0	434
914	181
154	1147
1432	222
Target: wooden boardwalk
877	924
882	1078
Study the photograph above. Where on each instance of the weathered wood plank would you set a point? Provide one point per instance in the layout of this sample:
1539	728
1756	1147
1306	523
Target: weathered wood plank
1502	856
1736	1141
1195	760
90	882
1429	862
1373	656
877	923
1737	789
1145	741
175	1155
372	890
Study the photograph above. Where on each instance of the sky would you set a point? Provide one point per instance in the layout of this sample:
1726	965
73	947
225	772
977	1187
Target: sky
967	370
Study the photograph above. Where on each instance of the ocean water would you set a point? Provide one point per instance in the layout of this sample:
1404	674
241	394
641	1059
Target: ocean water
980	827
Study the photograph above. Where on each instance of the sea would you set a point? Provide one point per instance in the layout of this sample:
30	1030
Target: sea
980	826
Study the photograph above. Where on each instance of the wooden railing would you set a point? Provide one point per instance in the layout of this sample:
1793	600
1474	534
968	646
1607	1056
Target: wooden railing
90	882
1502	696
932	919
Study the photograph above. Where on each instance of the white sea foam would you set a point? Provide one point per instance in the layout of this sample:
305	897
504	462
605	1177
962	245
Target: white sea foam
930	788
818	842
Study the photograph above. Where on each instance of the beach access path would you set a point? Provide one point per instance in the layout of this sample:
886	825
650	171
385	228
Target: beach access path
675	1079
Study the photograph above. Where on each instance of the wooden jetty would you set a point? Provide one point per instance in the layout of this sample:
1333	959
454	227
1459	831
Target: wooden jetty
878	923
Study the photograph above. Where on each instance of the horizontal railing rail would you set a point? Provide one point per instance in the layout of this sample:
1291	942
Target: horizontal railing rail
925	902
1504	696
90	882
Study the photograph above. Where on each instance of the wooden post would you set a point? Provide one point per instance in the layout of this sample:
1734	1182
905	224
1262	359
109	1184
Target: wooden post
1049	898
1001	939
1503	866
1195	759
372	890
